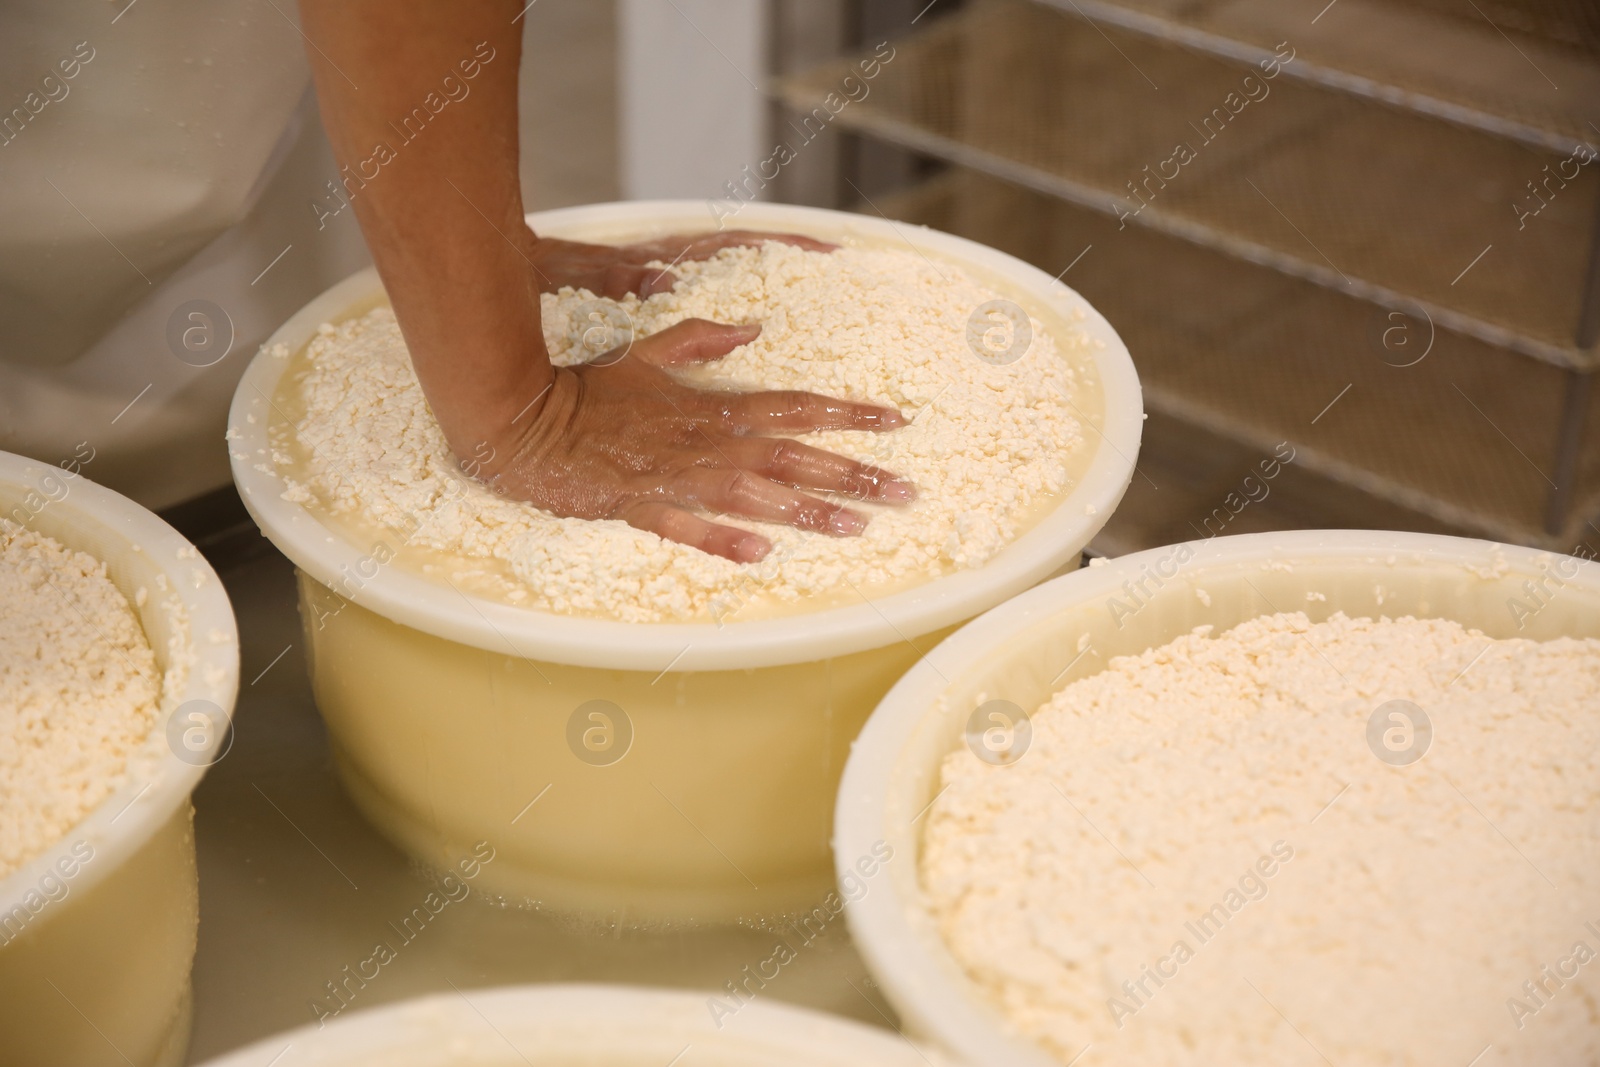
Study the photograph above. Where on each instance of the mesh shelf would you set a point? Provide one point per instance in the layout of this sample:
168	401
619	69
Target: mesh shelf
1524	70
1291	182
1466	436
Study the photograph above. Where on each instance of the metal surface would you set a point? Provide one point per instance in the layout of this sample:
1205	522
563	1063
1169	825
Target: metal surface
1402	410
1393	208
1369	49
1589	318
1569	449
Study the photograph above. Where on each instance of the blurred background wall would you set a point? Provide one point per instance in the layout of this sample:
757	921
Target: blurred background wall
568	104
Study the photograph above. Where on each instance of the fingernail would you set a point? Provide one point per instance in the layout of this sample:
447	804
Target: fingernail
897	492
846	523
659	283
750	330
751	549
888	419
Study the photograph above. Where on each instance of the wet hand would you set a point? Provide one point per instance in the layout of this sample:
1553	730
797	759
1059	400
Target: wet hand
623	439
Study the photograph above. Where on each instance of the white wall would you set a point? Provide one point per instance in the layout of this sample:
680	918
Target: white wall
567	98
693	113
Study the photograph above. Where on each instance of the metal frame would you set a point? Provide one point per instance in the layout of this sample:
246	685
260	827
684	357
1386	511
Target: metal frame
1098	200
1580	363
1161	29
1580	388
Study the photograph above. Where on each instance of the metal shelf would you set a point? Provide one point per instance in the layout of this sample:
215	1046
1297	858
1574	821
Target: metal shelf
1466	436
1481	69
1014	89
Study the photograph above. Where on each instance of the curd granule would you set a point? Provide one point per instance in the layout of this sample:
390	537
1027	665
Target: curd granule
1202	859
79	690
989	444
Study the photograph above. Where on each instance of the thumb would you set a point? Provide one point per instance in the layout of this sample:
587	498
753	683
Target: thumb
694	341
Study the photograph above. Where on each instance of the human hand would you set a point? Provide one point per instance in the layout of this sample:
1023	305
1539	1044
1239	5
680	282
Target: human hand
625	440
614	271
621	440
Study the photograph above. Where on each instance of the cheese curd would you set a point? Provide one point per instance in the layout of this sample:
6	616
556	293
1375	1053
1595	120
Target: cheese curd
998	433
1250	849
79	690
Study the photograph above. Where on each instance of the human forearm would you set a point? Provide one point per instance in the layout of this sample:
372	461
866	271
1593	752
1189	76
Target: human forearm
437	193
420	104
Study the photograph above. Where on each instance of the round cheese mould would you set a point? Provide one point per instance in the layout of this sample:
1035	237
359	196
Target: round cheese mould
449	715
1029	648
97	934
589	1025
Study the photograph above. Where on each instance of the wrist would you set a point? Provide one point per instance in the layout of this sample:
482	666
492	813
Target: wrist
485	414
477	347
510	448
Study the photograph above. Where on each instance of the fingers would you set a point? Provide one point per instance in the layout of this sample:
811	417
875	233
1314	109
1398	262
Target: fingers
803	467
693	341
704	245
791	411
656	282
604	270
730	491
799	240
620	279
613	281
675	524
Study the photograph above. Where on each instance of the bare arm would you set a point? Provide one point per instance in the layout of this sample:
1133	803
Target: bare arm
443	216
420	101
